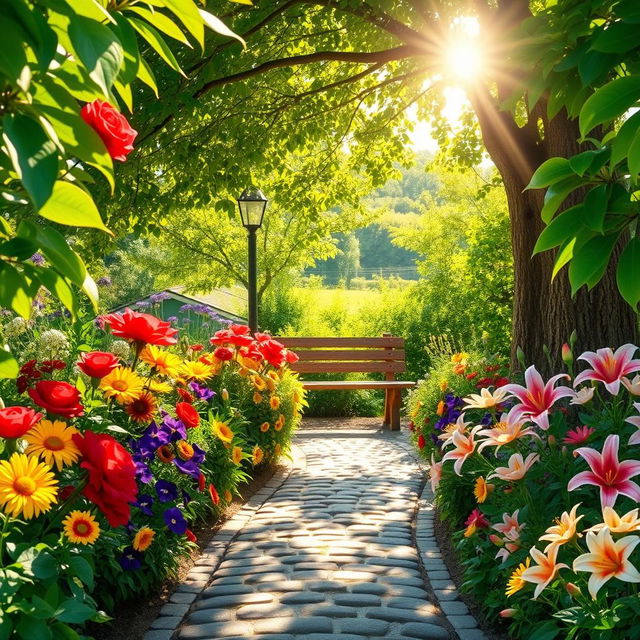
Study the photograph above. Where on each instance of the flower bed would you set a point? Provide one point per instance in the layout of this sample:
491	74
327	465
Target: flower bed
537	481
107	458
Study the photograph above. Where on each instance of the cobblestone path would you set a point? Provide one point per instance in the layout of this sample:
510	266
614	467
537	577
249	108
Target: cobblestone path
329	556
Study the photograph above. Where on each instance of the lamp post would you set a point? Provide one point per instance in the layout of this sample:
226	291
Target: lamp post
252	204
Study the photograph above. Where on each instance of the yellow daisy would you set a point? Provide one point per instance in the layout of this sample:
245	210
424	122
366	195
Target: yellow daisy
279	422
160	387
271	385
53	442
516	582
221	429
274	402
163	361
196	370
482	489
122	384
258	383
81	527
264	427
258	455
236	455
185	450
27	486
273	375
143	539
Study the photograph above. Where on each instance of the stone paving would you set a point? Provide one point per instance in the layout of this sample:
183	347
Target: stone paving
332	554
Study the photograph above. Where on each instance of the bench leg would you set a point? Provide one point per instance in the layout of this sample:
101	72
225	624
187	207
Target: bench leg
392	410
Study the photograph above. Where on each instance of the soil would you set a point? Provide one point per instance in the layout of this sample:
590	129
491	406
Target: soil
132	619
444	538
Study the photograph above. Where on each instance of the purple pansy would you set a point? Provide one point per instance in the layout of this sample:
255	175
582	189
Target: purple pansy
167	491
144	503
130	560
175	521
201	392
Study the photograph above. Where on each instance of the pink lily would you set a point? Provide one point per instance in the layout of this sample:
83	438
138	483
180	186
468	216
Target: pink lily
635	421
510	527
608	473
516	467
465	445
537	397
609	367
579	435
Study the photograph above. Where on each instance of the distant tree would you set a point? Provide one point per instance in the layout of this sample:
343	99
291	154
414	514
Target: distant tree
348	258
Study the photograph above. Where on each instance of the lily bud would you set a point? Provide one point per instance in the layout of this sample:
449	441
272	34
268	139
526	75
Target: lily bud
521	357
572	589
224	394
552	440
567	354
573	338
497	540
508	613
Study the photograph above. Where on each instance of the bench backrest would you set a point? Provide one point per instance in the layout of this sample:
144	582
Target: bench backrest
348	355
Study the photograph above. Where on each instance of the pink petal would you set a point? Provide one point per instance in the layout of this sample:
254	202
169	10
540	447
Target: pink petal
625	353
591	357
634	420
533	380
635	438
593	458
610	453
609	495
555	379
516	390
628	469
630	489
542	420
631	367
587	374
613	387
584	477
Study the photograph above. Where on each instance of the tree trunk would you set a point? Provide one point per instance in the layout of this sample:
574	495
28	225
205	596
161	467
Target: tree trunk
544	313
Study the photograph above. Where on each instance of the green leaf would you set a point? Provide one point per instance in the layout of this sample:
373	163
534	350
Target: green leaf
161	22
550	172
91	290
157	43
556	195
129	40
565	254
595	207
628	272
545	631
187	12
560	229
145	74
74	611
590	261
15	292
81	568
56	250
33	629
20	248
633	159
99	49
609	102
624	137
215	24
9	367
63	632
581	162
33	154
44	566
616	38
13	57
70	205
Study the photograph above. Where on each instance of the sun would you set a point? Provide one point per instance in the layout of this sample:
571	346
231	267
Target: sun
463	55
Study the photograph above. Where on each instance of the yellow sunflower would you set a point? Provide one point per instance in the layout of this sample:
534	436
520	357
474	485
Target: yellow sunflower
81	527
160	387
271	385
273	375
122	384
279	422
257	398
27	486
258	455
236	455
516	582
196	370
264	427
274	402
163	361
53	442
221	429
143	539
143	408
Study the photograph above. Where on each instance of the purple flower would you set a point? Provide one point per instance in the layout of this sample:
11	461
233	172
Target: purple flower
198	454
172	319
37	258
176	427
131	560
105	281
142	304
144	503
186	498
186	307
189	467
175	521
159	297
487	419
201	392
167	491
143	473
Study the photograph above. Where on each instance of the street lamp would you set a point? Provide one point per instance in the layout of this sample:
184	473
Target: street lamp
252	204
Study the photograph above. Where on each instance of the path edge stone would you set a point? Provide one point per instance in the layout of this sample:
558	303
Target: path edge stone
165	626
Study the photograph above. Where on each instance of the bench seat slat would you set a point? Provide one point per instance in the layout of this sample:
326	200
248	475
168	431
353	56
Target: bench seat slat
349	367
307	355
391	342
319	385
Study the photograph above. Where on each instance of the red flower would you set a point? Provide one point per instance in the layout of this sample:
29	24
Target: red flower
237	334
500	382
201	481
16	421
273	352
57	397
111	126
215	498
484	382
185	395
471	376
421	441
223	353
291	357
97	364
196	347
141	328
111	482
191	537
188	414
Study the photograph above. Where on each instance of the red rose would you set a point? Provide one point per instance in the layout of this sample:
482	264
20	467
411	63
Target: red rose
237	334
273	352
185	395
97	364
57	397
188	414
141	328
111	482
215	498
16	421
223	353
291	357
421	442
111	126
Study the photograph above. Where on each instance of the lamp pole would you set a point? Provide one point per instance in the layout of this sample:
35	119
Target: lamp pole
252	204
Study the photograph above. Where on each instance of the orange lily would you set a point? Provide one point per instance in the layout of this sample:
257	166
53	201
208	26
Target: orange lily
564	529
545	571
516	469
616	524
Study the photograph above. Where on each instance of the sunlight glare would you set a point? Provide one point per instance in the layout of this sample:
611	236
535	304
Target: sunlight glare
463	55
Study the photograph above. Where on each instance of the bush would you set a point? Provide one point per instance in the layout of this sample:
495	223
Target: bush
108	457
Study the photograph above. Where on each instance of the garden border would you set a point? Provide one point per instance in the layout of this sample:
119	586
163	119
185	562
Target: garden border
171	615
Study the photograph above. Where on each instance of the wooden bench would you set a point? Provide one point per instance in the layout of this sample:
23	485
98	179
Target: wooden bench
355	355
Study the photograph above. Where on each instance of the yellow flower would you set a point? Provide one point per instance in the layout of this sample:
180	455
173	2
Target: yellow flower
486	399
271	385
563	531
227	496
27	486
264	427
258	383
618	524
122	384
257	398
184	449
258	455
142	408
236	455
163	361
221	429
279	423
143	539
440	409
458	358
224	394
444	385
277	449
297	398
80	527
196	370
482	489
273	375
274	402
160	387
516	582
53	442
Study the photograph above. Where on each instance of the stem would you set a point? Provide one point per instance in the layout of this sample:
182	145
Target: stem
63	507
5	524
